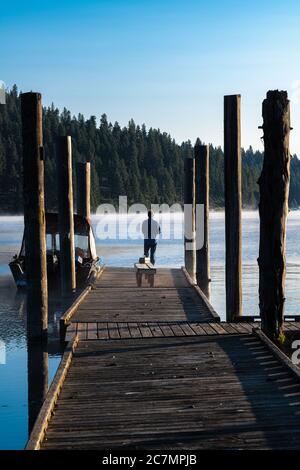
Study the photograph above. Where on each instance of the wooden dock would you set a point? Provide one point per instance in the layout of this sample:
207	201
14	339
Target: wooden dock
117	298
153	368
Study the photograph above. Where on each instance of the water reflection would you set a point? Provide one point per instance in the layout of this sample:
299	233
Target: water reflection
37	373
38	352
29	368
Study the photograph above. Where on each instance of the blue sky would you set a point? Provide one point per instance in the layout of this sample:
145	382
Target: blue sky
165	63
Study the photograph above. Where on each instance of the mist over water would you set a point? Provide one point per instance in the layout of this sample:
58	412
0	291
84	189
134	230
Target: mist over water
13	374
170	252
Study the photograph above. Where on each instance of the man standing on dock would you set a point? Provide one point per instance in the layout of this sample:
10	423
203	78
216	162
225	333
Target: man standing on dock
151	230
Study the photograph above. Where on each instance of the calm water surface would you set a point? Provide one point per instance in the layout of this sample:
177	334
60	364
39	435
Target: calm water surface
14	384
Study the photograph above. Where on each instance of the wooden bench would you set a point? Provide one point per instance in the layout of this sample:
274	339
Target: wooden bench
144	267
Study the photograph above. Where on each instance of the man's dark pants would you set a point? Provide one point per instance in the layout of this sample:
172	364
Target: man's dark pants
150	245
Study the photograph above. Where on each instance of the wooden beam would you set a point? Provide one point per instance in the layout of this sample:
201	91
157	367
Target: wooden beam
200	294
189	216
233	206
273	210
283	358
66	215
37	373
67	316
38	432
202	202
83	173
34	215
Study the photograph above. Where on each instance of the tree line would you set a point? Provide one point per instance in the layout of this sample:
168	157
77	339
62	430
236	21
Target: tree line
144	164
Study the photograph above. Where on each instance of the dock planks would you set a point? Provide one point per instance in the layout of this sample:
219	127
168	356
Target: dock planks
198	392
152	368
108	330
117	298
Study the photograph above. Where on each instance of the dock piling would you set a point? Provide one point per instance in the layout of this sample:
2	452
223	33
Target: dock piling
65	215
202	198
34	215
83	174
189	217
233	206
273	211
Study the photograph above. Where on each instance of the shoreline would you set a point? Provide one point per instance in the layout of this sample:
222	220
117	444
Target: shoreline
94	214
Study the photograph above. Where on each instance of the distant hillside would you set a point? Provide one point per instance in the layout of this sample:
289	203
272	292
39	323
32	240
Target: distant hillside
144	164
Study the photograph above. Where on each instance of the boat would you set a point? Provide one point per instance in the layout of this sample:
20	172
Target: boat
87	263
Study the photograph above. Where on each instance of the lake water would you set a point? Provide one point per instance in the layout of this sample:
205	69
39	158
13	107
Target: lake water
17	366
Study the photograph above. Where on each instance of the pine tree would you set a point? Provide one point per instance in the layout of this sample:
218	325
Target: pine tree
146	165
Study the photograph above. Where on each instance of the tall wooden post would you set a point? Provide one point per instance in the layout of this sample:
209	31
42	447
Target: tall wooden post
83	173
189	216
34	215
273	210
202	199
233	205
65	215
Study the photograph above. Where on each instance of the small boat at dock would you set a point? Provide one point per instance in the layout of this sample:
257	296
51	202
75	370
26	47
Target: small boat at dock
86	260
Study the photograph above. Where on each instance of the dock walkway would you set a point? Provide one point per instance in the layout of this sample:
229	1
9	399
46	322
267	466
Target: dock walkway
152	368
117	298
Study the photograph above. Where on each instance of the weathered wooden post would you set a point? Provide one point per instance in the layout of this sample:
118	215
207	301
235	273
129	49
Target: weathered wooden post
233	205
65	215
83	173
273	210
189	217
202	199
34	215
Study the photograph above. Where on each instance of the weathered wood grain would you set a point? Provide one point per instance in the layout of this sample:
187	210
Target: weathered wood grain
146	376
83	177
46	411
65	215
200	294
233	205
220	391
273	210
117	298
121	330
34	215
202	226
189	216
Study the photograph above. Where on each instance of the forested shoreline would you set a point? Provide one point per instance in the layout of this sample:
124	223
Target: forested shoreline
144	164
